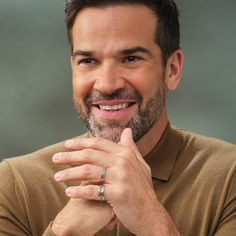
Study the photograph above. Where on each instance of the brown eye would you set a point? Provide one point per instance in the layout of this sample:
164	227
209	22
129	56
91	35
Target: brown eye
132	59
87	61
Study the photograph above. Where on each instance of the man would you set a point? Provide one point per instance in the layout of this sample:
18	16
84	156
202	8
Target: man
132	173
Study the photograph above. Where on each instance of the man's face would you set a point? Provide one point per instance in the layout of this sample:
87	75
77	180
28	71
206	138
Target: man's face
117	70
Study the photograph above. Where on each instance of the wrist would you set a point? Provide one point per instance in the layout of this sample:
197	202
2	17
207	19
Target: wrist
160	230
63	230
158	223
59	230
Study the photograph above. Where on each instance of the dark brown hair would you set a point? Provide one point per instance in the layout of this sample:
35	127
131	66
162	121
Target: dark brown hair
167	33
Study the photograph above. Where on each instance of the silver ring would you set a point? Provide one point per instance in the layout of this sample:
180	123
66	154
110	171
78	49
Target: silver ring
101	192
103	175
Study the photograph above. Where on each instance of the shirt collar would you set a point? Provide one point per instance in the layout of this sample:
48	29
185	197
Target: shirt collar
163	157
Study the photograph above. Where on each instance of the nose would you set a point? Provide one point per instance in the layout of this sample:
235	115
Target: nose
109	78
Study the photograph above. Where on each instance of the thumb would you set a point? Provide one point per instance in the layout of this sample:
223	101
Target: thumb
126	138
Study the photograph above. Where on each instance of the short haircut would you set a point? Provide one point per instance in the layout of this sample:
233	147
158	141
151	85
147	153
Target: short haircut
167	34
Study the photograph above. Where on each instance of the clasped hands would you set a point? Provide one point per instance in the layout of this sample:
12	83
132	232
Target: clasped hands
128	189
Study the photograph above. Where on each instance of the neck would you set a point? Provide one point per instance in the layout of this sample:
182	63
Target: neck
153	136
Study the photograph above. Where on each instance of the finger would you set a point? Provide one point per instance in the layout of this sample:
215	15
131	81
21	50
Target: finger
85	156
85	172
93	143
126	140
90	182
88	192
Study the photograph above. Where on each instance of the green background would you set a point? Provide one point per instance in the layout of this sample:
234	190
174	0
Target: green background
35	79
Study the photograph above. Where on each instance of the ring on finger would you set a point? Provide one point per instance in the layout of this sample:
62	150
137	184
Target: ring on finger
101	193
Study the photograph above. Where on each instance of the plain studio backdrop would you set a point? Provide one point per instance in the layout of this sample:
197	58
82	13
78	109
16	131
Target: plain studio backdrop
35	79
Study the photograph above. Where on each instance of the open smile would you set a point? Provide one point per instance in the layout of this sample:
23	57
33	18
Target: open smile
114	110
116	107
113	105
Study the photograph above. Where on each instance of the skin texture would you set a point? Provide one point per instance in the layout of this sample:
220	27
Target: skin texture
105	33
71	217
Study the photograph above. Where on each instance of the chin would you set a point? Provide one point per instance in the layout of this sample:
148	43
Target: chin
110	133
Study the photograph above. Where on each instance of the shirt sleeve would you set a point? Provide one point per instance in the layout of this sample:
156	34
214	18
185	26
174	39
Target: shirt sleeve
12	219
227	223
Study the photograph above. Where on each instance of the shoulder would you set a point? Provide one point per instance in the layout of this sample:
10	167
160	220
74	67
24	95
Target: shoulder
36	163
28	189
213	156
36	167
204	177
22	172
195	143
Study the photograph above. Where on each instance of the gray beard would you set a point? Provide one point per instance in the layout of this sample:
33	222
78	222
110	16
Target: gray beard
144	119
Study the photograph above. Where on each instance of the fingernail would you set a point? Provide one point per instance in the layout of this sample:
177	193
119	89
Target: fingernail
69	191
56	157
58	176
69	143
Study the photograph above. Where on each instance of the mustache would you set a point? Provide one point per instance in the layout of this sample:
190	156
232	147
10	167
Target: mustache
97	96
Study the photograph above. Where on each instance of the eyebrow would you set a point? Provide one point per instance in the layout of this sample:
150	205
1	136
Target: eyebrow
126	51
133	50
82	53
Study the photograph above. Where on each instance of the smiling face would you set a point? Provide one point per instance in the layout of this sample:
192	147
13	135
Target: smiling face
118	74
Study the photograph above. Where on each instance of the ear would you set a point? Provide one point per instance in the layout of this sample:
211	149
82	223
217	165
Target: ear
174	69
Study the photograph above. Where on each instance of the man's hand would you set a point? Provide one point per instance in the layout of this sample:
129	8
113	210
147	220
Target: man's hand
81	217
128	182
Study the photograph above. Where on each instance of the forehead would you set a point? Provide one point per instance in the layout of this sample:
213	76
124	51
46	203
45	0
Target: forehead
120	24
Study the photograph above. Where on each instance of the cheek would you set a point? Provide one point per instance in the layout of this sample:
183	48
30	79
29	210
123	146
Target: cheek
81	87
146	83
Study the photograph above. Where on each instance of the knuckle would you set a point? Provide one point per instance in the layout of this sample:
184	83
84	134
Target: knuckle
127	152
120	195
89	192
86	170
123	162
99	139
63	156
88	153
66	157
67	173
94	142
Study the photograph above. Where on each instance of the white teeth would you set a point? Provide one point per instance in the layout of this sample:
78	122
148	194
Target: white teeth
114	107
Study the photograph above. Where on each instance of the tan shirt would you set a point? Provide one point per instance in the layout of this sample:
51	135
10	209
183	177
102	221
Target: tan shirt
193	176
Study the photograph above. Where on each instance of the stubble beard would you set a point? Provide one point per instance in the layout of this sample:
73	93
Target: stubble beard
144	119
